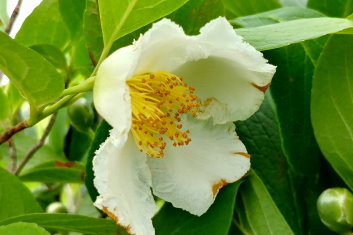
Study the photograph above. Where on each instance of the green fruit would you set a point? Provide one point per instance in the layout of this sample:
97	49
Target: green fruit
81	115
56	207
335	207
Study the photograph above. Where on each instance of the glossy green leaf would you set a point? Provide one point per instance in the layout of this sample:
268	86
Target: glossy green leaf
77	144
331	105
24	142
14	97
56	138
127	16
248	7
16	199
92	30
72	14
293	3
44	26
52	54
81	64
69	223
5	110
102	133
286	33
200	11
55	171
33	76
336	8
216	220
260	134
291	90
276	16
23	228
260	211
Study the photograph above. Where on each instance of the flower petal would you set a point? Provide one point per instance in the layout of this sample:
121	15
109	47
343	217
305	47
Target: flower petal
123	181
229	75
190	176
111	94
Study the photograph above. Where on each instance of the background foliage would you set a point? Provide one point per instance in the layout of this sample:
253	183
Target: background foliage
300	140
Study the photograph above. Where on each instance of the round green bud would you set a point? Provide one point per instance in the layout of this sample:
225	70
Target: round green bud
56	207
335	208
81	115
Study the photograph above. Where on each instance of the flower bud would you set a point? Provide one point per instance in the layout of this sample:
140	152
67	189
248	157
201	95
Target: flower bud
81	115
56	207
335	208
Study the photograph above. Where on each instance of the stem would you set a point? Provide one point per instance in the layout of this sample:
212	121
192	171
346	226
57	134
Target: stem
13	17
36	147
53	108
85	86
13	130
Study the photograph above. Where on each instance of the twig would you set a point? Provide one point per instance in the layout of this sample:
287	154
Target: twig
13	17
13	155
13	130
36	147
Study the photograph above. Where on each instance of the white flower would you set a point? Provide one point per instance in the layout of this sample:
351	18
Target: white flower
175	138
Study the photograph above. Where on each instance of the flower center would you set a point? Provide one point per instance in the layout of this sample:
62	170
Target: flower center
158	99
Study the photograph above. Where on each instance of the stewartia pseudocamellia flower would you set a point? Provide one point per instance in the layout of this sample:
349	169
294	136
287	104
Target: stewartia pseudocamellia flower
171	100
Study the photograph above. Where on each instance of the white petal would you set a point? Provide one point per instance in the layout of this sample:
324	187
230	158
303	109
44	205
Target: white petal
111	94
123	181
229	75
190	176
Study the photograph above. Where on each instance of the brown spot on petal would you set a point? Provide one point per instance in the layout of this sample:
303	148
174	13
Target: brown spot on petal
243	154
216	187
261	88
111	215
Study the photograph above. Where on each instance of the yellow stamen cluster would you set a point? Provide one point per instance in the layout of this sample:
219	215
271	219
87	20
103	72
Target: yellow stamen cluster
158	99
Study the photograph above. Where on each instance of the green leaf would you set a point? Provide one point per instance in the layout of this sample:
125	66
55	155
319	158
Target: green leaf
260	134
286	33
25	141
260	213
331	105
77	144
33	76
23	228
44	26
291	91
337	8
293	3
276	16
69	223
14	97
119	18
5	110
55	171
81	64
248	7
59	131
92	30
200	11
72	14
52	54
102	133
216	220
16	199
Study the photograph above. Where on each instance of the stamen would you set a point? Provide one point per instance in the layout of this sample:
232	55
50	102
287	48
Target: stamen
157	101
